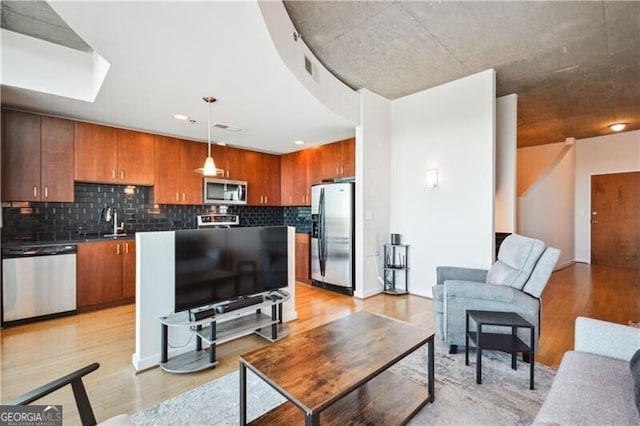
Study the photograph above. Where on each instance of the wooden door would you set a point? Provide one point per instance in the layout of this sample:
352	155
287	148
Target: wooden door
99	273
96	158
128	269
286	179
300	186
615	220
57	160
254	177
136	156
219	154
21	156
192	156
314	167
166	186
303	258
235	160
348	156
271	179
331	160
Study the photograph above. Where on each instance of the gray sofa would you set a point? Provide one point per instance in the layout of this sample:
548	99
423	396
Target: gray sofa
513	284
594	384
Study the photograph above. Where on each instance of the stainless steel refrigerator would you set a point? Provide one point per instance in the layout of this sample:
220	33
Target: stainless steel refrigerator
332	232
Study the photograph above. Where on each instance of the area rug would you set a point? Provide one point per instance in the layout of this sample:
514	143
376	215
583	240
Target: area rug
503	398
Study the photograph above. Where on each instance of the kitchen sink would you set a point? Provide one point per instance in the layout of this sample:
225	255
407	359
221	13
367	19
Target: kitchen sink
114	235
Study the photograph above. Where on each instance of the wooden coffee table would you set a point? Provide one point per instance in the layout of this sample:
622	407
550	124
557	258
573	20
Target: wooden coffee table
338	373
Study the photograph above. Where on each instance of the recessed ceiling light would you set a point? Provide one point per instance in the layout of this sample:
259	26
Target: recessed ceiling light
221	143
299	142
618	127
180	117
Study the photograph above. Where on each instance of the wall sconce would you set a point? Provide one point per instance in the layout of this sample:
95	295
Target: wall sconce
432	178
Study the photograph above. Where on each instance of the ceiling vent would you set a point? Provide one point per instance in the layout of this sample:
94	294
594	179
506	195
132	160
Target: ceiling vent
311	69
226	127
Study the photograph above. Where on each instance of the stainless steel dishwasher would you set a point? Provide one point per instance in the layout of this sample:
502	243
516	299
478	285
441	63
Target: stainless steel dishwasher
38	281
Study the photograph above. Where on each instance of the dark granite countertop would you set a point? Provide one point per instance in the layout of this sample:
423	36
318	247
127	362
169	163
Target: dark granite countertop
79	239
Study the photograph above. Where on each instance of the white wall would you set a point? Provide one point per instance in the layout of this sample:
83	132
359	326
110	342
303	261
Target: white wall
372	190
546	209
613	153
534	161
451	128
506	148
155	261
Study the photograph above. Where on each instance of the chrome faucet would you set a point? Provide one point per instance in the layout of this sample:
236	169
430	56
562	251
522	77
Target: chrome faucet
117	230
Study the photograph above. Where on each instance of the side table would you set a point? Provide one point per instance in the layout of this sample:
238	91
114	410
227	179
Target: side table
495	341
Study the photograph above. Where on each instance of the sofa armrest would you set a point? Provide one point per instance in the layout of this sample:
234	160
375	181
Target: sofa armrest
606	338
489	292
445	273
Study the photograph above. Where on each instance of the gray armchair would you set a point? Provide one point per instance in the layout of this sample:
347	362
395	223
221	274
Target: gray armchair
513	284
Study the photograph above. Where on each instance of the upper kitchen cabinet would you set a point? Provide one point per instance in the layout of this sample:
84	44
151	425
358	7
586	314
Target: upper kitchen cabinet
230	162
37	158
109	155
338	159
294	180
176	181
314	167
263	178
136	154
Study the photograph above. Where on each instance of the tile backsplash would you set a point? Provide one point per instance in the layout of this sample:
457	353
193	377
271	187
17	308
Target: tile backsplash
44	221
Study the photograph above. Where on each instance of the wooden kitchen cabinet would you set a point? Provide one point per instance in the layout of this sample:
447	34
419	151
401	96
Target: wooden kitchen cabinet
129	270
294	189
263	178
176	181
105	273
96	158
303	258
230	162
136	154
338	159
38	158
108	155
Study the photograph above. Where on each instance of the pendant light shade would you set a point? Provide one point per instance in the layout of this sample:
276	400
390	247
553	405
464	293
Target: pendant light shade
209	168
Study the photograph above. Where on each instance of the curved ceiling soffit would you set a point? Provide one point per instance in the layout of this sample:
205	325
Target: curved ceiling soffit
306	68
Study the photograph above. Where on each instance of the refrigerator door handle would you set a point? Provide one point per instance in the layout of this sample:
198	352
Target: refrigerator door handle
322	248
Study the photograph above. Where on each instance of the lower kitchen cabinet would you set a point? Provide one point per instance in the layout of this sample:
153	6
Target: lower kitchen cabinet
105	273
303	258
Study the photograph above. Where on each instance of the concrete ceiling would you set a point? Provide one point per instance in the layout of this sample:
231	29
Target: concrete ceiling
164	57
575	66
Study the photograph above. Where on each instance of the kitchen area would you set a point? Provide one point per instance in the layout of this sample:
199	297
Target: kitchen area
74	194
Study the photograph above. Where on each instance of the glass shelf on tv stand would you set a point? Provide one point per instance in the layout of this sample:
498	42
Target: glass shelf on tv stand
221	328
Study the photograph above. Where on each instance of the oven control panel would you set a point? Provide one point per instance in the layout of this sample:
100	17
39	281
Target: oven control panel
217	219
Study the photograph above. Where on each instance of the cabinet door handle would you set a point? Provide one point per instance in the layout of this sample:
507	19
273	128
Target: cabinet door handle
46	192
113	174
342	170
184	196
337	170
118	249
177	196
227	172
35	191
126	248
121	174
265	199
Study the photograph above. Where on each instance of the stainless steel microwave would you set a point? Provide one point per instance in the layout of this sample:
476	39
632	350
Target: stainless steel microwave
224	191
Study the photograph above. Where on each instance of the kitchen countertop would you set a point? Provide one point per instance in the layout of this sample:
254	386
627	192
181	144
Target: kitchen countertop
79	239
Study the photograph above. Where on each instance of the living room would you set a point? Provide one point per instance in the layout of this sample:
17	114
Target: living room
396	143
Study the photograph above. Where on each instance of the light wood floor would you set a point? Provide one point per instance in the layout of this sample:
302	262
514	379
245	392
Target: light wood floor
34	354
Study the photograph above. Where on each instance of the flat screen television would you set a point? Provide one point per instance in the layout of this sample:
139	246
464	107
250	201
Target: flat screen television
217	265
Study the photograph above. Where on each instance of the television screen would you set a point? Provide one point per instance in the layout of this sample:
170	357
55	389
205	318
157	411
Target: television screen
216	265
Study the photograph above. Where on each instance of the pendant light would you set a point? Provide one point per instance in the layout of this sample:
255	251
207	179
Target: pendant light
209	168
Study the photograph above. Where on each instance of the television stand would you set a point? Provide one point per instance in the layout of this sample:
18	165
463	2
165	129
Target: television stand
223	327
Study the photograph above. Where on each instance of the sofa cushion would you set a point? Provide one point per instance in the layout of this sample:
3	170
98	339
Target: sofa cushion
634	365
590	389
516	259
